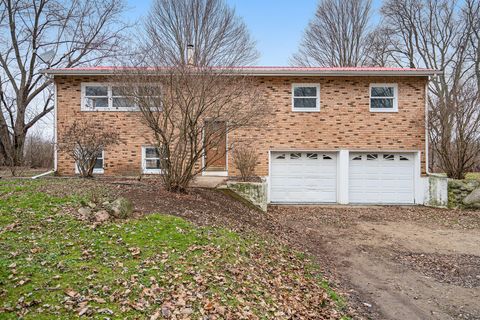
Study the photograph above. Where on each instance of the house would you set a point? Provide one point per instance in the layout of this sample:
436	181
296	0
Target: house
337	135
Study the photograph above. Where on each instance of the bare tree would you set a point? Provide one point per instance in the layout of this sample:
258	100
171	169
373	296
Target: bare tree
37	34
197	95
442	35
84	141
337	36
38	151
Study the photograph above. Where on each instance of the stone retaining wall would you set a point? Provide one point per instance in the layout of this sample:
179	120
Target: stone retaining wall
458	190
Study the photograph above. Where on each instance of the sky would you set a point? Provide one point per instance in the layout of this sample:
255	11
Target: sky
276	25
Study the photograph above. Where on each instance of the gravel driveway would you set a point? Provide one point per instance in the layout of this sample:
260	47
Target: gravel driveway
395	262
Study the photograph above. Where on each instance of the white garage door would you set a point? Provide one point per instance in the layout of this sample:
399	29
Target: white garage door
303	177
381	178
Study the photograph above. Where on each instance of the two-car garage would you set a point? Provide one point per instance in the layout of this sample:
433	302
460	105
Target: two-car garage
313	177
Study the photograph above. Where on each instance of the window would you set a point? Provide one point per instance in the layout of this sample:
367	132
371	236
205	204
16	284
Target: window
356	158
96	97
389	157
107	97
372	156
326	157
281	156
295	156
403	158
312	156
306	97
98	167
151	160
383	97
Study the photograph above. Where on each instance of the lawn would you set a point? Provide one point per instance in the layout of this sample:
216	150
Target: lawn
157	266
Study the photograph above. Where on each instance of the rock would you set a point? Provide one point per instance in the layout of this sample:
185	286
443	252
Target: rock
473	199
102	216
121	208
91	205
85	212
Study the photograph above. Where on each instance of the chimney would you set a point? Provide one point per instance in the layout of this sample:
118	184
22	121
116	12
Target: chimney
190	58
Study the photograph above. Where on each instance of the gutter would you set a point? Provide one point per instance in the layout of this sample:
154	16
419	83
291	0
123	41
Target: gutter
261	72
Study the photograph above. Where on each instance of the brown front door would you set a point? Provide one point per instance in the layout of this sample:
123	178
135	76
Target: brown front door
216	146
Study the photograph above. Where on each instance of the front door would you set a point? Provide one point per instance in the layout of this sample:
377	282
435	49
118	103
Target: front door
216	146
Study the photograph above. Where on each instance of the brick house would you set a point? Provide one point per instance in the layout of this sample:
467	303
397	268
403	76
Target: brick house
337	135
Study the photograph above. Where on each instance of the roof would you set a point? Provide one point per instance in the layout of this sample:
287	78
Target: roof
266	71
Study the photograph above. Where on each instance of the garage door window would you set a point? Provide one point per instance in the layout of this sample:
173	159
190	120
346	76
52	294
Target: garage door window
295	156
280	156
312	156
372	156
389	157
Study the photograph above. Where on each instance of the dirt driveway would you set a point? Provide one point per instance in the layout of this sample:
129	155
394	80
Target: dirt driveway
392	262
395	262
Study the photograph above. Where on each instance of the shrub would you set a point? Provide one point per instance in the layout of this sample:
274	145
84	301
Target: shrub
245	160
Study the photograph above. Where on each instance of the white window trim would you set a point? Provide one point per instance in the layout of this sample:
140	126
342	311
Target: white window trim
395	97
109	85
144	162
311	85
95	171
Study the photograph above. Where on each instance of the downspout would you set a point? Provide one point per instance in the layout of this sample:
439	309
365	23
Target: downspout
426	129
55	158
54	136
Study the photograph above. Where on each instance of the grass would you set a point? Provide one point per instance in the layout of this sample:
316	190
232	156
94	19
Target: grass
54	266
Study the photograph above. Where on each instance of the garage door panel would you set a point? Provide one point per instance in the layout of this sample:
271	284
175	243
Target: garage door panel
381	178
307	177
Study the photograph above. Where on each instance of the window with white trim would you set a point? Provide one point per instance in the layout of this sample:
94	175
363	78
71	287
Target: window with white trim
306	97
98	167
111	97
151	160
383	97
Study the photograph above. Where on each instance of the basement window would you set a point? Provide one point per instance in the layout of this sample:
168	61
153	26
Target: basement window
306	97
151	160
98	167
383	97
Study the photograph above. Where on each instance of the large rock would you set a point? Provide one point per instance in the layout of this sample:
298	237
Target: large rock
121	208
102	216
84	212
473	199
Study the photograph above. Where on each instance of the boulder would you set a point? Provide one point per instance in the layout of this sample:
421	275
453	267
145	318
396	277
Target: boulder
84	212
473	199
102	216
121	208
91	204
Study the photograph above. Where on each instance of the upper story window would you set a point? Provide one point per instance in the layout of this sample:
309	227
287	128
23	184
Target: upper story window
383	97
112	97
306	97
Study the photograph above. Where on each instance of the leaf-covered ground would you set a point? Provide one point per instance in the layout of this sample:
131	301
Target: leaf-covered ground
158	266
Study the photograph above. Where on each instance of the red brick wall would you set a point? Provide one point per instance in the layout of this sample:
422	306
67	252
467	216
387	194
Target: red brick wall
343	122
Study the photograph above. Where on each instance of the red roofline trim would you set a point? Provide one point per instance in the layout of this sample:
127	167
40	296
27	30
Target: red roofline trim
263	71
